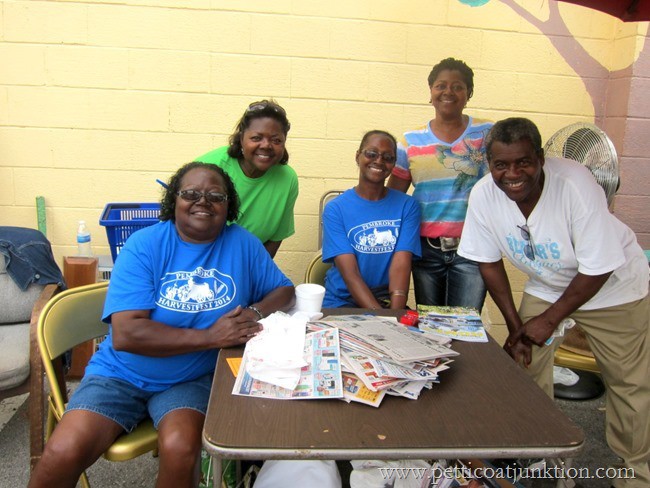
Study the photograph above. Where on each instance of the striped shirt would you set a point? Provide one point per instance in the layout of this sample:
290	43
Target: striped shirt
443	174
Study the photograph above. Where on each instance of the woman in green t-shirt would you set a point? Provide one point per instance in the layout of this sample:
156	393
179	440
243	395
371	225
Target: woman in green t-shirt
256	160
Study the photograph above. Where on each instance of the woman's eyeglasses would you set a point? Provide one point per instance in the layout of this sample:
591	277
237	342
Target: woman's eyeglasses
529	248
372	155
195	196
257	106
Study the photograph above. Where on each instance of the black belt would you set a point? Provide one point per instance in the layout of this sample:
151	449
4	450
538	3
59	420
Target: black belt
444	243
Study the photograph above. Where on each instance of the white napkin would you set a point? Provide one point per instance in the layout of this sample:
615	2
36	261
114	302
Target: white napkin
275	355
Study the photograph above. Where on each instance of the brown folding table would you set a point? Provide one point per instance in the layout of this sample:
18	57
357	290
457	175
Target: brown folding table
485	406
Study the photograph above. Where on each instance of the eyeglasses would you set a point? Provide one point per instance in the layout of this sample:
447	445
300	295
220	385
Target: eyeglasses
195	196
257	106
529	248
372	155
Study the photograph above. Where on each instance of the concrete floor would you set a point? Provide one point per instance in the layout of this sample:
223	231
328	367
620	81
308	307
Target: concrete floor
14	453
14	450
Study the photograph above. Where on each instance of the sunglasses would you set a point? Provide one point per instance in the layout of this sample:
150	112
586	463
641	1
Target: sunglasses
195	196
257	106
529	248
372	155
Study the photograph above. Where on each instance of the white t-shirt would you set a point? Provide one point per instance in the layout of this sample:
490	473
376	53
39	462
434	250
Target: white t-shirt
572	230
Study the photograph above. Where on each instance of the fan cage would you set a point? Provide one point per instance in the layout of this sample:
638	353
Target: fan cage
591	147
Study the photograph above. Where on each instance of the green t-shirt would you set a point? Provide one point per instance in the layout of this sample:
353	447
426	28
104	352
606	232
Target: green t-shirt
266	203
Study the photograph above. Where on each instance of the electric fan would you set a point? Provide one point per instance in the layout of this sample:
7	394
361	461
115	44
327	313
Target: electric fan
590	146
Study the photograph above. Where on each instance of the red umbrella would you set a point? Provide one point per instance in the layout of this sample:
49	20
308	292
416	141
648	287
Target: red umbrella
626	10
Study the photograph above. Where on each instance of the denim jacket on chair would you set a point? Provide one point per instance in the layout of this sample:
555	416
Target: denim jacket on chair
28	257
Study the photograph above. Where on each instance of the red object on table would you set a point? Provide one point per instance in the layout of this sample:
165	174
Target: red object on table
410	318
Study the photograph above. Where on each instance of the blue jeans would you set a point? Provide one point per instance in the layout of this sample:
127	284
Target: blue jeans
445	278
127	405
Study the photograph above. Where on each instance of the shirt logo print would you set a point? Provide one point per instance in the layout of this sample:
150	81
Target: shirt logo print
375	237
196	291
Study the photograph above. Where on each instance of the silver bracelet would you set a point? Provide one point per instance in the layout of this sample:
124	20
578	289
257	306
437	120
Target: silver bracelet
257	311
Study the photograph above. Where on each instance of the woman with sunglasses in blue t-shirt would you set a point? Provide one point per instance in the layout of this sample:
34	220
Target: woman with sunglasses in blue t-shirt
371	234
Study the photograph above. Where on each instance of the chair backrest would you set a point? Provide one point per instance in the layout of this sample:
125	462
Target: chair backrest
316	270
68	319
324	200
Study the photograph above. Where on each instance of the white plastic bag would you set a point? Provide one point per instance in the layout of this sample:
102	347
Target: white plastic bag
403	473
298	474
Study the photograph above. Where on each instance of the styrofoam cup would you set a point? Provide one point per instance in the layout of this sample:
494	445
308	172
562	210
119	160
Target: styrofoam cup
309	297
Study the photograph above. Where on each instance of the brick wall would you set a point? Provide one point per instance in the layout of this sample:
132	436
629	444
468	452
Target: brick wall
100	98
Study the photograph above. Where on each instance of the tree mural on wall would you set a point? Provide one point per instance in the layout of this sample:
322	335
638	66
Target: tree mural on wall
594	75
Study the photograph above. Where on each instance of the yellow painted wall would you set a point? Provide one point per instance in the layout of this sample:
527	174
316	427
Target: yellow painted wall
100	98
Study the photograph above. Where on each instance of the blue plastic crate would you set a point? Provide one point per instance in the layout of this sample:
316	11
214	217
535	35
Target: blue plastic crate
123	219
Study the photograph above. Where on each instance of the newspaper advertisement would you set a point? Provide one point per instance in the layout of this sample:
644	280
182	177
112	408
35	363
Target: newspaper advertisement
320	378
355	391
460	323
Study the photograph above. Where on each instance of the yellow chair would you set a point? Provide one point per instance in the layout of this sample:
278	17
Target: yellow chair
316	270
68	319
574	352
324	200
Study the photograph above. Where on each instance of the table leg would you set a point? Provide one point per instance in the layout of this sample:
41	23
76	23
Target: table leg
216	472
565	464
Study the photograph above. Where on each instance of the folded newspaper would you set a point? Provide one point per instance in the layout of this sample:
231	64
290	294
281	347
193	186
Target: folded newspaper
461	323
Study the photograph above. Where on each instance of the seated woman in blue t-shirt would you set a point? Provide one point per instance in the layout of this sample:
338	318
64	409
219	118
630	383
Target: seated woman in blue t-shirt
180	291
371	234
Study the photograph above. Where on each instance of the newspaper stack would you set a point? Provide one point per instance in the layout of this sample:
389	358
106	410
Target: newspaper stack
380	356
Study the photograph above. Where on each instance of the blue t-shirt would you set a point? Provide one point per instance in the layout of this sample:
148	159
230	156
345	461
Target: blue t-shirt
372	231
184	285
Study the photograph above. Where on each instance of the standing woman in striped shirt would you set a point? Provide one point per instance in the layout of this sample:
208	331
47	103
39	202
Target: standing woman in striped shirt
443	160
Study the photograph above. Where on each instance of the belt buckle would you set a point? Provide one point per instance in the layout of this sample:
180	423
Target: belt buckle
449	243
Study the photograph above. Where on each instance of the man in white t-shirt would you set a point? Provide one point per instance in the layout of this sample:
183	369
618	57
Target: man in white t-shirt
549	217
